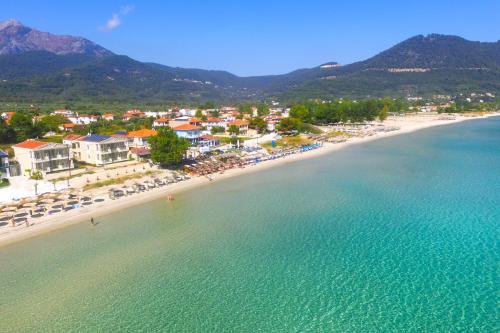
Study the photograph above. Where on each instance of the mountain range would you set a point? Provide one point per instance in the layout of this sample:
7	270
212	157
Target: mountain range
40	66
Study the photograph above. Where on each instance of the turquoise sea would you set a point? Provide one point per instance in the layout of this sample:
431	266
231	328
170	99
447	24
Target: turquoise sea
396	235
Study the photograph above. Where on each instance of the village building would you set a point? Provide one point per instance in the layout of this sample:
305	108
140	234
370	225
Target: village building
139	153
98	149
83	119
208	141
69	127
45	157
212	122
140	138
242	125
130	114
189	132
63	112
161	122
108	116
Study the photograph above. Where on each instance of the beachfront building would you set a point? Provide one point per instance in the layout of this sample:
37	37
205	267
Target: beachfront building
188	131
45	157
241	124
139	153
140	138
161	122
4	164
208	141
98	149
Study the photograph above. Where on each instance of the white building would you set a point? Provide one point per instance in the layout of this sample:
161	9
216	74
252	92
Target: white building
43	156
98	149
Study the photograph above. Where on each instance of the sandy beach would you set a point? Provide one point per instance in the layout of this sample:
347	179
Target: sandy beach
46	224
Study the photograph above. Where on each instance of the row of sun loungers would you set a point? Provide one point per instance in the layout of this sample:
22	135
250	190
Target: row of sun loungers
137	187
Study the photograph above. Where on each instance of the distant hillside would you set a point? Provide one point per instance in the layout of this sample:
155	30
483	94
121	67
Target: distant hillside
40	66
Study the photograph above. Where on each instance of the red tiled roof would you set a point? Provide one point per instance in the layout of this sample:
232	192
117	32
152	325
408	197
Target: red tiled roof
214	120
30	144
209	138
141	151
186	127
162	120
72	137
238	122
70	125
143	133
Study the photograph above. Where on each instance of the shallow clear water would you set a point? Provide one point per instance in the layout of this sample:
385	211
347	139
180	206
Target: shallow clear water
400	234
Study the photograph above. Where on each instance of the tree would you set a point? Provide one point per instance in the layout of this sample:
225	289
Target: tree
383	113
52	122
262	110
198	114
233	130
258	124
24	126
289	124
7	133
167	149
217	129
245	108
301	112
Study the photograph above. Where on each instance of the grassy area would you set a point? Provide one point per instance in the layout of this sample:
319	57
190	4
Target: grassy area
4	182
54	139
335	134
118	180
227	139
288	142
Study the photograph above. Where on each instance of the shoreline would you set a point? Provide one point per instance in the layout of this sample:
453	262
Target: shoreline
51	223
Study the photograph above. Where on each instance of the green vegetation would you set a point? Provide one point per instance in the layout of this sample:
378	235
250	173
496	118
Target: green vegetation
293	141
167	149
217	129
4	182
258	124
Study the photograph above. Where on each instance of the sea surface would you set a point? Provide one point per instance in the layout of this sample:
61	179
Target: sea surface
397	235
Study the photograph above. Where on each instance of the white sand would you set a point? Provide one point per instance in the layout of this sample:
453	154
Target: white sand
49	223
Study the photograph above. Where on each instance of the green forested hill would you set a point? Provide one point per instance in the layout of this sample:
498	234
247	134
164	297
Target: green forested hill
421	65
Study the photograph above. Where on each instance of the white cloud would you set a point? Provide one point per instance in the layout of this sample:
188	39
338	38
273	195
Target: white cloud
116	19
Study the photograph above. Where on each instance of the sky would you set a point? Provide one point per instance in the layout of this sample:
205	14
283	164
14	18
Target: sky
255	37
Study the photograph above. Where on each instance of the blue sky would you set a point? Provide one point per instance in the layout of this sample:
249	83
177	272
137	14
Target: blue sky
255	37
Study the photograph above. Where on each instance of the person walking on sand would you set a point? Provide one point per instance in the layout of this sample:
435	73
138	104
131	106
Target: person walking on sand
92	221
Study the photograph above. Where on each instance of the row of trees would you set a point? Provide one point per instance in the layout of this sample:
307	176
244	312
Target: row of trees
340	111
